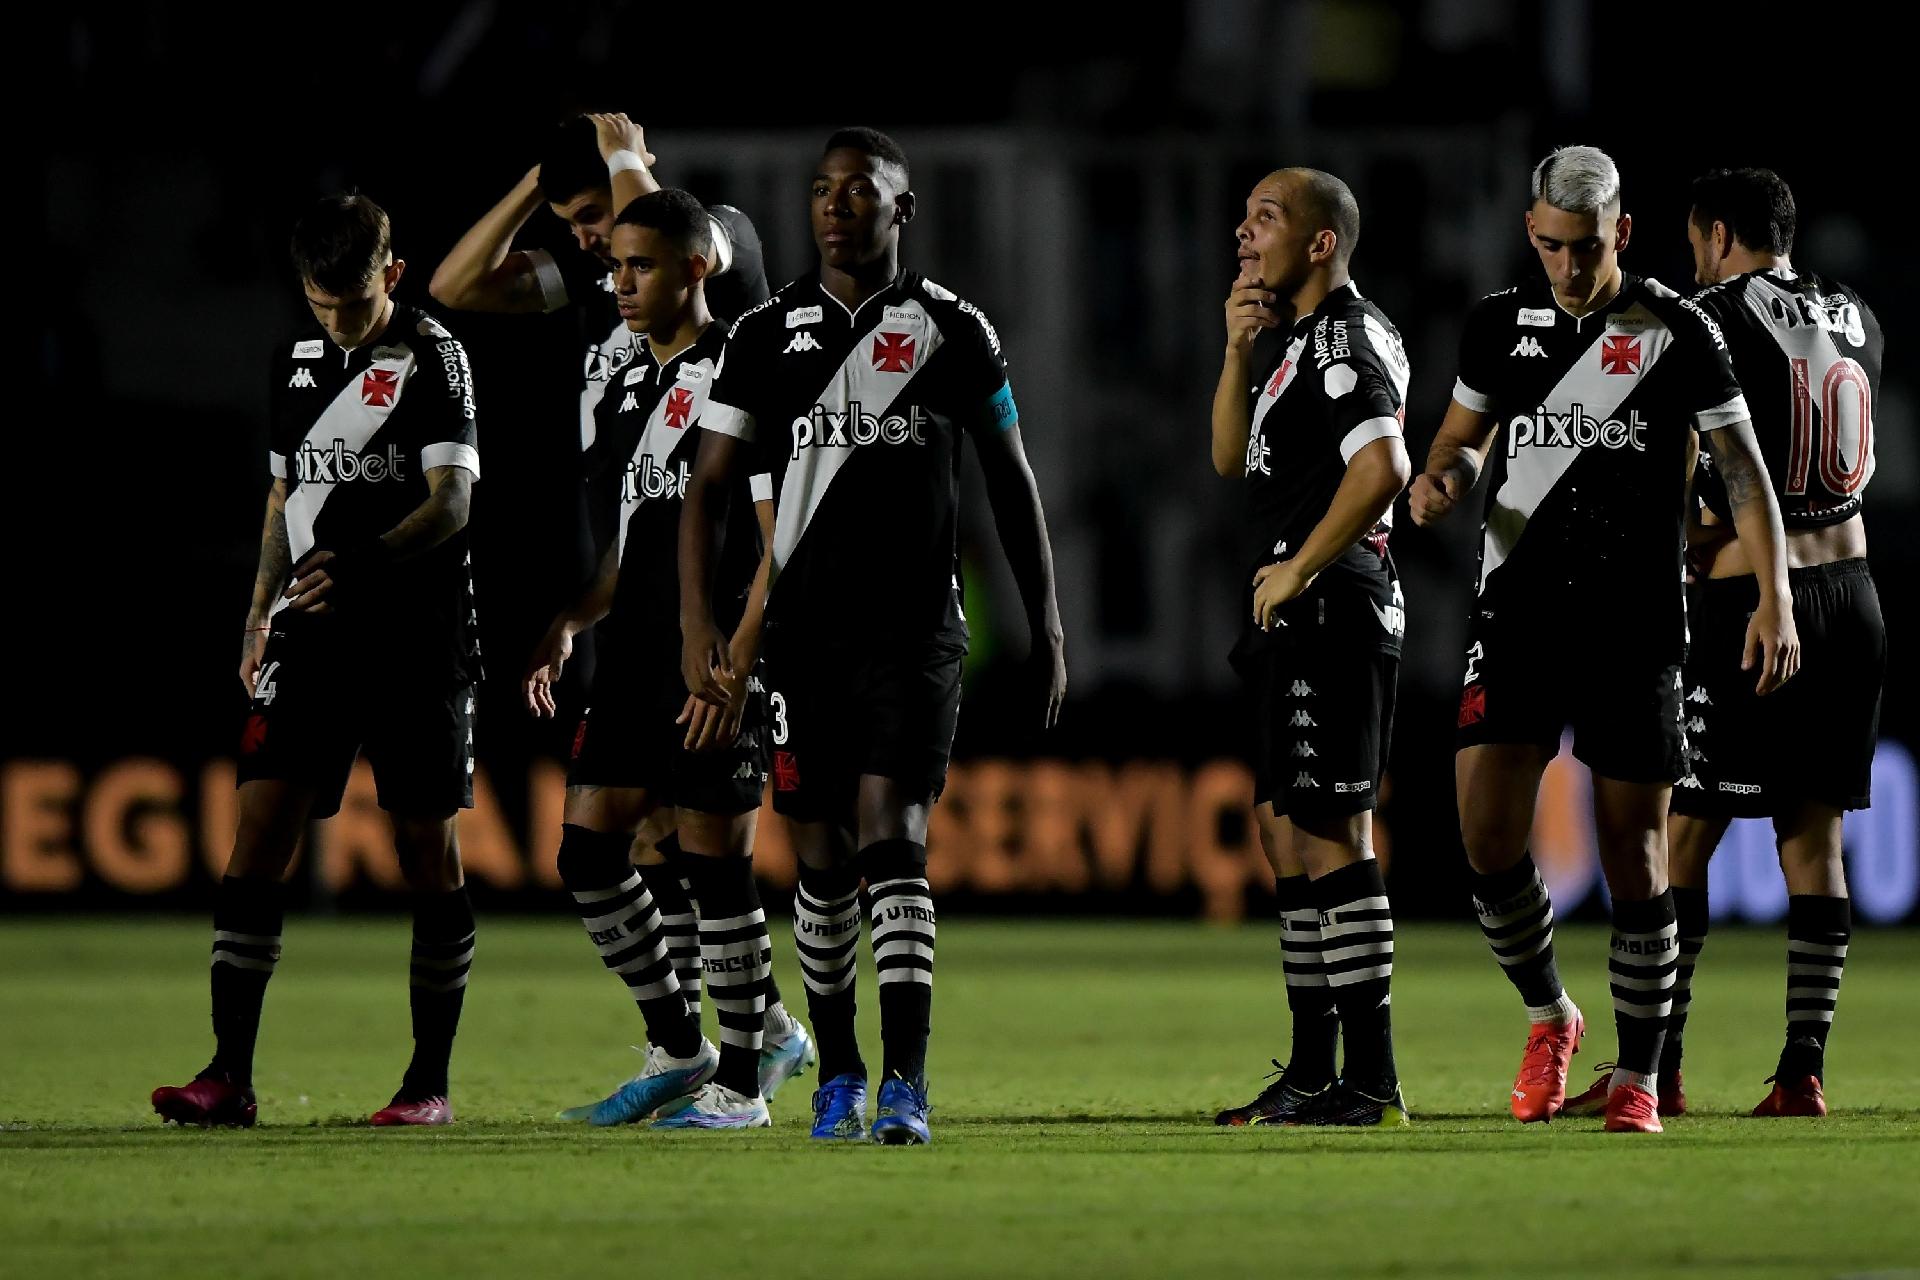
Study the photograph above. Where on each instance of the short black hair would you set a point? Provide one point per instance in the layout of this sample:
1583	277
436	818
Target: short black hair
570	162
1755	204
341	241
678	215
1333	207
874	143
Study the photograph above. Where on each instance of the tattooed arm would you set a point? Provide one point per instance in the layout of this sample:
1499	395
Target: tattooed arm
1771	637
443	514
276	558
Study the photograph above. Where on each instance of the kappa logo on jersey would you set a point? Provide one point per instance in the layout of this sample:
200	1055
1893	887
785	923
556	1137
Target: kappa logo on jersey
336	464
310	349
379	387
1528	346
1575	429
679	408
629	404
1620	355
302	377
893	352
802	341
645	479
1696	725
1259	455
1473	705
805	315
823	429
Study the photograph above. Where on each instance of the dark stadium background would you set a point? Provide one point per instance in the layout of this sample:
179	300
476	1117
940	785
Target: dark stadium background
1081	171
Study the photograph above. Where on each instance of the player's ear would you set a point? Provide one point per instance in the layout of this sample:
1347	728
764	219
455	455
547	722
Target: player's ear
1326	243
1622	232
697	268
1721	238
903	207
395	269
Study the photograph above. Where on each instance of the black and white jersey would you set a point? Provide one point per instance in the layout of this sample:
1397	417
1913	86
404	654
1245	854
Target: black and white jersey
859	414
353	434
649	433
1340	384
1807	351
1587	487
583	280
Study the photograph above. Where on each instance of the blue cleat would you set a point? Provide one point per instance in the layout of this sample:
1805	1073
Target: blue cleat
664	1082
840	1109
718	1107
781	1062
901	1118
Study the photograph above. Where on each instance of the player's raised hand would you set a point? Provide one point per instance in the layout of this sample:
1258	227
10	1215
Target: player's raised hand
1433	496
251	648
1773	644
1249	309
614	132
544	668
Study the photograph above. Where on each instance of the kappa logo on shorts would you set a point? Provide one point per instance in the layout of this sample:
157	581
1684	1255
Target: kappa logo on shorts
1696	725
1528	346
786	772
1304	751
1699	695
1351	788
1301	720
1305	781
1690	782
1300	689
302	377
1473	705
802	341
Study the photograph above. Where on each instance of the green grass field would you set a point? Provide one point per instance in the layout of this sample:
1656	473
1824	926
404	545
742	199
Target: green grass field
1075	1070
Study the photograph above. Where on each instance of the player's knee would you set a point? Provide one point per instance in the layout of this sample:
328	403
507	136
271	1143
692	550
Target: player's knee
593	859
893	860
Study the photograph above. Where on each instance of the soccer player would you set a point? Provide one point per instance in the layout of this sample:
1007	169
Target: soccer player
360	637
1587	384
635	753
1318	440
1809	353
859	383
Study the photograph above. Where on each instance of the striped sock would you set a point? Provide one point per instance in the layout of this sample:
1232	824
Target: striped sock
738	956
1516	916
673	892
1690	918
1818	929
442	957
621	919
1356	953
901	910
826	935
247	918
1316	1026
1641	965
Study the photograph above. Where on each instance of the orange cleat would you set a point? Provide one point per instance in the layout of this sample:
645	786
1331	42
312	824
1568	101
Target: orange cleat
422	1111
1631	1109
1541	1087
1795	1096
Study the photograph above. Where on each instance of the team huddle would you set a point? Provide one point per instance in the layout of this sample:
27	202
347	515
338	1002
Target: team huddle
1673	509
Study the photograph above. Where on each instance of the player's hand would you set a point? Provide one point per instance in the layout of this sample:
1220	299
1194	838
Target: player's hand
1433	496
1773	644
252	647
1056	660
312	585
709	725
614	132
1250	308
704	661
1273	586
543	670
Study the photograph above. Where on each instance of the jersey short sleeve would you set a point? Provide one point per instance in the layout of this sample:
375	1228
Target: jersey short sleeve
980	378
1705	380
1479	368
741	378
743	285
1361	405
445	434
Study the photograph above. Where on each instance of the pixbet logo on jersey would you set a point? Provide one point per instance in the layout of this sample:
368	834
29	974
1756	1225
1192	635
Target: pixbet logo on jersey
335	464
1575	429
646	479
824	429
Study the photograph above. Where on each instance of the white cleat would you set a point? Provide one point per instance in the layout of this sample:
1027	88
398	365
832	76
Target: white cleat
718	1107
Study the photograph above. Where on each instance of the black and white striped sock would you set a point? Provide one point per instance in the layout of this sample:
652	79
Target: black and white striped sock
1316	1026
1356	954
1690	919
671	885
1818	931
738	957
1516	916
247	919
442	957
826	937
900	906
1640	968
623	923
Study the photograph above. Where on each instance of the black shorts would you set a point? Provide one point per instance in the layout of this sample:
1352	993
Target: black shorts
1528	680
838	713
1810	739
1323	716
628	738
318	703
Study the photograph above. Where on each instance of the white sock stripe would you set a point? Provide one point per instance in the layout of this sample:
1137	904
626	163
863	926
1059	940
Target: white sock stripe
1810	1015
905	974
451	962
1838	950
754	917
903	947
1492	920
1629	1009
653	990
452	984
917	881
1833	971
820	988
1377	902
1338	955
684	922
247	939
1348	928
804	901
1829	994
741	1039
1659	982
642	912
243	962
746	1006
651	956
1352	976
587	897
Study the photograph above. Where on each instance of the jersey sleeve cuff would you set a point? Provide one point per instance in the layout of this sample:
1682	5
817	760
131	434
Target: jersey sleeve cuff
1366	433
1725	415
553	285
761	487
451	454
727	420
1467	398
277	465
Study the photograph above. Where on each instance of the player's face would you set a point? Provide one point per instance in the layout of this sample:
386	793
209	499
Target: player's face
651	281
858	207
349	317
1707	262
1580	251
1276	240
589	216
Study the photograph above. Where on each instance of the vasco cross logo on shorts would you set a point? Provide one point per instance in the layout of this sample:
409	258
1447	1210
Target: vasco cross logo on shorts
893	352
786	772
1473	705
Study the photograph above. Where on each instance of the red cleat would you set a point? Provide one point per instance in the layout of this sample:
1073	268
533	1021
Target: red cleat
1631	1109
208	1101
1798	1096
1673	1095
1541	1087
1593	1102
425	1111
